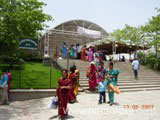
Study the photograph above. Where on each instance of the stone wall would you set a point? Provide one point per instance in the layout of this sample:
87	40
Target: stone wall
58	39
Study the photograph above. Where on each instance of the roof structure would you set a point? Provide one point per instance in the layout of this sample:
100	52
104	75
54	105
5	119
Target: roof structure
73	24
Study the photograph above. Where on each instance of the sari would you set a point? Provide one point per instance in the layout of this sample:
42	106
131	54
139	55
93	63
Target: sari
90	55
73	78
83	54
77	83
63	97
71	54
91	74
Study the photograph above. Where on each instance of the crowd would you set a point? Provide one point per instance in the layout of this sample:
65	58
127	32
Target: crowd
5	87
83	53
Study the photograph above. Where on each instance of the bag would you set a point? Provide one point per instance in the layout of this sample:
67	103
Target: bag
53	104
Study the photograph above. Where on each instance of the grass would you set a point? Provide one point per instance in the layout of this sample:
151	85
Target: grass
36	76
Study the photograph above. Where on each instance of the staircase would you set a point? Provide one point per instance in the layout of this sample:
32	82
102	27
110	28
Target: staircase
148	79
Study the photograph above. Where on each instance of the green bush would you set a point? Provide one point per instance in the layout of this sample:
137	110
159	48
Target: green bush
150	60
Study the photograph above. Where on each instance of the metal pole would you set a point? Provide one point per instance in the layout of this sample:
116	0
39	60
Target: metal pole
50	73
68	59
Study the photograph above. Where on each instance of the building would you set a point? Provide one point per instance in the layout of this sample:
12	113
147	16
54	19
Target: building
70	32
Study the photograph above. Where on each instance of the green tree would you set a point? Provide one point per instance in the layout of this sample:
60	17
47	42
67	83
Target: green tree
19	18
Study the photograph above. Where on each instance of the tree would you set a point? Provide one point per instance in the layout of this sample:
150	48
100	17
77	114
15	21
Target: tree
19	18
152	28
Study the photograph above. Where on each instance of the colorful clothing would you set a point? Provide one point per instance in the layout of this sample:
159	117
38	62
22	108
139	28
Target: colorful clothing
71	54
91	74
115	74
83	54
64	51
90	55
63	97
102	86
73	78
9	78
102	73
77	83
112	81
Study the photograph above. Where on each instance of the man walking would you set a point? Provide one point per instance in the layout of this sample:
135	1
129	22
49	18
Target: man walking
4	88
135	67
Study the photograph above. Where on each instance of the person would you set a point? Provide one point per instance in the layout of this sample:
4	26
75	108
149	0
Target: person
102	90
64	50
78	51
100	56
135	67
91	74
73	77
77	83
75	51
64	86
9	79
71	53
123	59
104	55
112	75
90	54
96	61
4	88
101	72
83	51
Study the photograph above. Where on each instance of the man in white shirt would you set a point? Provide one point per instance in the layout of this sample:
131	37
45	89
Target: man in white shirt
135	67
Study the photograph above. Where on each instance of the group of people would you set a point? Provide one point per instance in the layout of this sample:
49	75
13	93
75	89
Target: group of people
67	90
103	79
5	87
83	53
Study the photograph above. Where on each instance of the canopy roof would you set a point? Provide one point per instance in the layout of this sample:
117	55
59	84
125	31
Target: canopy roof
73	24
107	44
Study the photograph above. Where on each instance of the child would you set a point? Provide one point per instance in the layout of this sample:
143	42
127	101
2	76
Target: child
102	86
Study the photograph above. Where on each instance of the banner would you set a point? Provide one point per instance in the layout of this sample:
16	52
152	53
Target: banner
27	43
89	33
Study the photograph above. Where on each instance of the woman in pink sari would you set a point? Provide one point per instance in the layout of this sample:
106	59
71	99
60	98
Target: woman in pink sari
64	86
90	54
91	74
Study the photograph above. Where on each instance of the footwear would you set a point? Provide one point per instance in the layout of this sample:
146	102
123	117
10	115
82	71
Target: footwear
99	102
108	102
111	103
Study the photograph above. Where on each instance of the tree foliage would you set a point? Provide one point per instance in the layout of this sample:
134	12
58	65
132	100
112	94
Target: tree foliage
148	34
19	18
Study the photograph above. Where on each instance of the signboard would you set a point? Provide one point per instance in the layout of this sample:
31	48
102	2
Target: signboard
27	43
158	52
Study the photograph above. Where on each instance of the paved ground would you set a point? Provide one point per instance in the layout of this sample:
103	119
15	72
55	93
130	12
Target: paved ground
87	108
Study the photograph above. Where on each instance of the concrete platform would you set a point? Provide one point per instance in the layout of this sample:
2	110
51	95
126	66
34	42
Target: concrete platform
87	108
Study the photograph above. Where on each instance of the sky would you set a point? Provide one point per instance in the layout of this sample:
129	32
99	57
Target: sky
109	14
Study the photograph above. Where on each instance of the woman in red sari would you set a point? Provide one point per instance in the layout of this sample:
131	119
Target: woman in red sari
64	86
91	74
73	77
83	50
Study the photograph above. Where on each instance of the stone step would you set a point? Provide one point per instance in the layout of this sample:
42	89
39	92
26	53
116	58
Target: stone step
129	79
126	84
131	87
128	90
